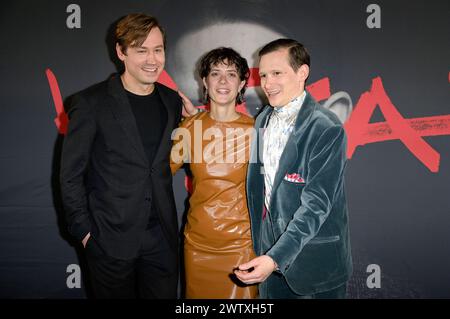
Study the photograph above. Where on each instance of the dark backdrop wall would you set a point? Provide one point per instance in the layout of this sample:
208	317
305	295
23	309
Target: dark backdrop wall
385	69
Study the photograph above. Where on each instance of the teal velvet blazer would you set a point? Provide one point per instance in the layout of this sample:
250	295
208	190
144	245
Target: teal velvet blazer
309	216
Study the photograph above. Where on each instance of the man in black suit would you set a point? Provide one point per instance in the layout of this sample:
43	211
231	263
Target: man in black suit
115	175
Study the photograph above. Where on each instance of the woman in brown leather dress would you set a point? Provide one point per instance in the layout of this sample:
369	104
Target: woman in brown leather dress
216	144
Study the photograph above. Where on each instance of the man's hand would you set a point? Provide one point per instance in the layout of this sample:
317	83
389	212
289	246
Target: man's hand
188	108
262	266
85	239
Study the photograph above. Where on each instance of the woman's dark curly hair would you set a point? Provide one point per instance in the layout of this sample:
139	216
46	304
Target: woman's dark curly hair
229	57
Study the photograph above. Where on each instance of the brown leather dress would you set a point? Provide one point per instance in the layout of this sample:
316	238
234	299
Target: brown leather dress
217	236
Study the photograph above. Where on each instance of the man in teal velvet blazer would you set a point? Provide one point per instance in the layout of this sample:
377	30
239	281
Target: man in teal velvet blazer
295	186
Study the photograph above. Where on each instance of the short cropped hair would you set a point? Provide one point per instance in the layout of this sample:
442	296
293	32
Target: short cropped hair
298	55
133	29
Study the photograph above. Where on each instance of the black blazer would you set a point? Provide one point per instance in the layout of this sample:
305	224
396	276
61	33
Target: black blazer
106	180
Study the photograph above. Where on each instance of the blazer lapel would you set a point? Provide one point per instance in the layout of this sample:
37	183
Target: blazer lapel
260	124
289	155
121	109
257	144
255	179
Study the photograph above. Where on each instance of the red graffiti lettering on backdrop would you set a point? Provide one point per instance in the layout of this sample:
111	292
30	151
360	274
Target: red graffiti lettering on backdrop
395	127
61	119
359	131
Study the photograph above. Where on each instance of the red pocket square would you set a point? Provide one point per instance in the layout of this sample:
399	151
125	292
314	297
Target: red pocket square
294	178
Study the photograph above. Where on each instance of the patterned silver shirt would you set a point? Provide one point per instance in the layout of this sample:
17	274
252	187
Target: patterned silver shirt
276	134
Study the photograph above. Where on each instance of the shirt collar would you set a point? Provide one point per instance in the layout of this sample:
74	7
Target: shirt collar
292	107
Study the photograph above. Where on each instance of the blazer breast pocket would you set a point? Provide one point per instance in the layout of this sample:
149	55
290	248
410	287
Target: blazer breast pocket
293	184
289	196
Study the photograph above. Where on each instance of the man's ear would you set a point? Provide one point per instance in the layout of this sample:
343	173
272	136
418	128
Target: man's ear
340	103
303	72
119	52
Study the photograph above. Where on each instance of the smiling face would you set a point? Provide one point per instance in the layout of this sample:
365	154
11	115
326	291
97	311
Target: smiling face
279	81
143	64
223	84
247	38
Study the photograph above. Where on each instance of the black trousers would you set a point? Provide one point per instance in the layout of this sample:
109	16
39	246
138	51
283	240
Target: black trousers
153	274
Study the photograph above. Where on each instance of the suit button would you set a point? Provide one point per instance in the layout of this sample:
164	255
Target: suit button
152	170
147	199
